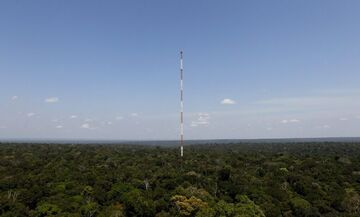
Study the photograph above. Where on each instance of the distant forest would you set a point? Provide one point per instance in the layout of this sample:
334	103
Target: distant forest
212	180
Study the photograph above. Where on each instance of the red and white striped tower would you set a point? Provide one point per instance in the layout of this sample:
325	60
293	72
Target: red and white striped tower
181	106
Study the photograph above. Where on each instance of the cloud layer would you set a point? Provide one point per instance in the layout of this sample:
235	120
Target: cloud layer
312	115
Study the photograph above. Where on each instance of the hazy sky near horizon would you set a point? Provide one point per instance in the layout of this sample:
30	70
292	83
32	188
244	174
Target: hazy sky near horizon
110	69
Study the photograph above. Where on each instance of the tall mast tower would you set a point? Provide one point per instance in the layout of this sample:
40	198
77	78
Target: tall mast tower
181	106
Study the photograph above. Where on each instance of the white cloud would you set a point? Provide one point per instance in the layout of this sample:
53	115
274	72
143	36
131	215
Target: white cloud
228	102
119	118
103	123
14	97
30	114
88	120
52	100
193	124
202	120
343	119
88	126
290	121
203	117
59	127
73	116
85	126
325	126
134	114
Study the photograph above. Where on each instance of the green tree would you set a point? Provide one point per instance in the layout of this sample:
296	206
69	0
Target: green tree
47	209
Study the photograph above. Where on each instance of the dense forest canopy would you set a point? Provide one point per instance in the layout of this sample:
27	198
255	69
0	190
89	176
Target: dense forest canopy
213	180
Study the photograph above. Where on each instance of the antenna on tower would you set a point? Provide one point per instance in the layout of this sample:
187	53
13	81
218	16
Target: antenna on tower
181	106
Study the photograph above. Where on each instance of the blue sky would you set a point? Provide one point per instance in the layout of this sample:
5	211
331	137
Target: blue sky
110	69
